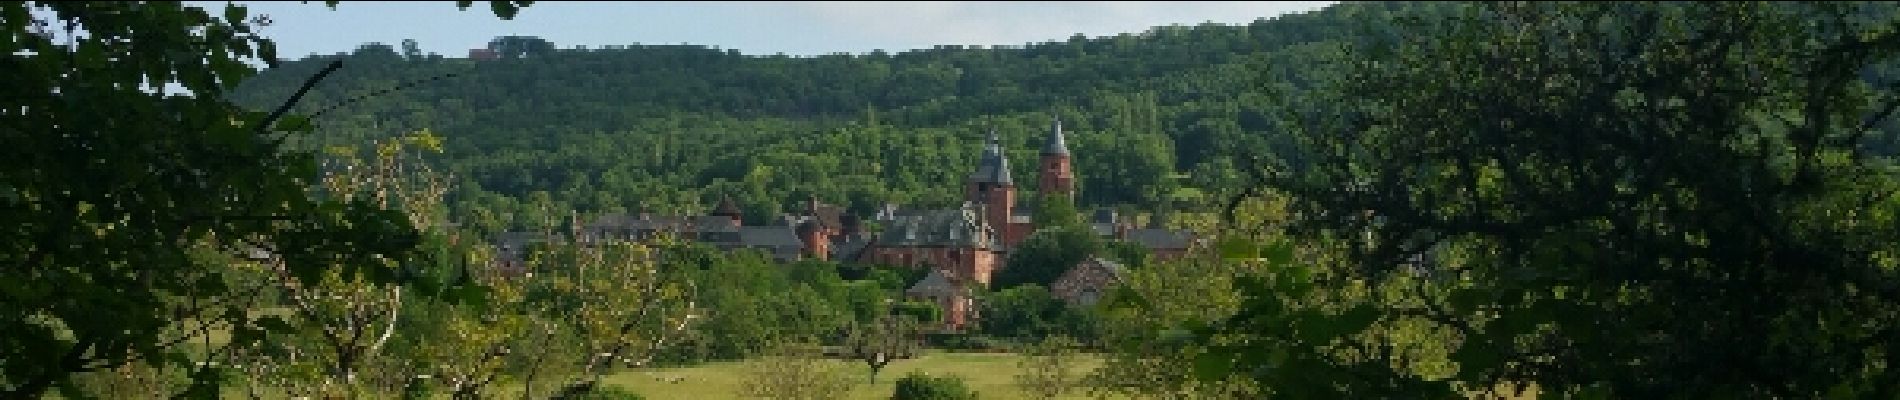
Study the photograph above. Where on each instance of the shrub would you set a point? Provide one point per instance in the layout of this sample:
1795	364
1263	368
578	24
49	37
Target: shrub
918	386
609	392
966	342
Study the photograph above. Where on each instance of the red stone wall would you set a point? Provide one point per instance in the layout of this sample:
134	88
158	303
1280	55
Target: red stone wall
1055	176
964	263
1018	232
1002	203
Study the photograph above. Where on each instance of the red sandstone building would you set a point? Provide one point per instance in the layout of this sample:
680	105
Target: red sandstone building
963	247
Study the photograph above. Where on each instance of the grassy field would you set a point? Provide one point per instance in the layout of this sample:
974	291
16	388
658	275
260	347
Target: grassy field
992	376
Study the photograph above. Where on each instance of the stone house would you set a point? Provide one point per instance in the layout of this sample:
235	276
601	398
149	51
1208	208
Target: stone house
1086	283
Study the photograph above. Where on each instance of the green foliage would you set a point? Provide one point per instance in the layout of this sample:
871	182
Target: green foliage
1028	313
1057	211
113	189
1045	255
674	128
1657	200
795	372
880	342
919	386
1048	367
1132	255
609	393
918	310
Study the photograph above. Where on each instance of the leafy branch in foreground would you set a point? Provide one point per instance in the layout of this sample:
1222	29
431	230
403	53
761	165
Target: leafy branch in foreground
1645	200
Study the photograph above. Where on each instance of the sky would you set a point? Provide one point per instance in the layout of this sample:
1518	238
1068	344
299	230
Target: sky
792	28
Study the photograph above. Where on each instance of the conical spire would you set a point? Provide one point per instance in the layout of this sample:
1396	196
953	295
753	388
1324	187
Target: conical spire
1056	144
992	148
1000	171
726	207
994	145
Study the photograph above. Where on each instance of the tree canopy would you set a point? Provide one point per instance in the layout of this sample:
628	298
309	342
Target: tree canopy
114	189
1653	200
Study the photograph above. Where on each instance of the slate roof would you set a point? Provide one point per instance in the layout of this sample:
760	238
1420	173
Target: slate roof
702	227
626	221
769	236
1113	267
993	167
852	248
726	207
1056	145
999	173
963	227
934	285
829	216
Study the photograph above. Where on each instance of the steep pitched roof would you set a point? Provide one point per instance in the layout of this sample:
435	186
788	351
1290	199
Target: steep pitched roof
1056	145
851	249
828	216
963	227
1114	268
935	284
726	207
999	173
993	167
769	236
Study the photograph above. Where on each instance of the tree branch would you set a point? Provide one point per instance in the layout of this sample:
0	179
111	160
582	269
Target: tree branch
264	126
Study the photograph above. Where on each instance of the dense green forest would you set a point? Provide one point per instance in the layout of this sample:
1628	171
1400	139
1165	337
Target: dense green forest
1155	119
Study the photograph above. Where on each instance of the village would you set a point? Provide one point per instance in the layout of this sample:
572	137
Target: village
962	248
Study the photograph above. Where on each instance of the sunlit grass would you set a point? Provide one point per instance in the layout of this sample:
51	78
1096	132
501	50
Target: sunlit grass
991	375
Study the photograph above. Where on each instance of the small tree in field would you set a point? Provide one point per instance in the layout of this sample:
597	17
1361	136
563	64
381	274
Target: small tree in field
878	343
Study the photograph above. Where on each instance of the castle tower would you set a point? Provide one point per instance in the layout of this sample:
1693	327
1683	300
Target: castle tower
992	187
1056	176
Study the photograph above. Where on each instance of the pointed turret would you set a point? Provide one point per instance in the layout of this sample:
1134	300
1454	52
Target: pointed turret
727	208
1056	177
991	186
992	147
1056	144
987	168
999	169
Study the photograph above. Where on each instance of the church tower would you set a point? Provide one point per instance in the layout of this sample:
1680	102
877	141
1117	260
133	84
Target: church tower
992	187
1056	177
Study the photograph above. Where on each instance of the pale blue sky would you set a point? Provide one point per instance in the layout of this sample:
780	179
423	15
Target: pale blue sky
793	28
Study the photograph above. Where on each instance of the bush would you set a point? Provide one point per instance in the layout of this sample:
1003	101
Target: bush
795	371
966	342
609	392
918	386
